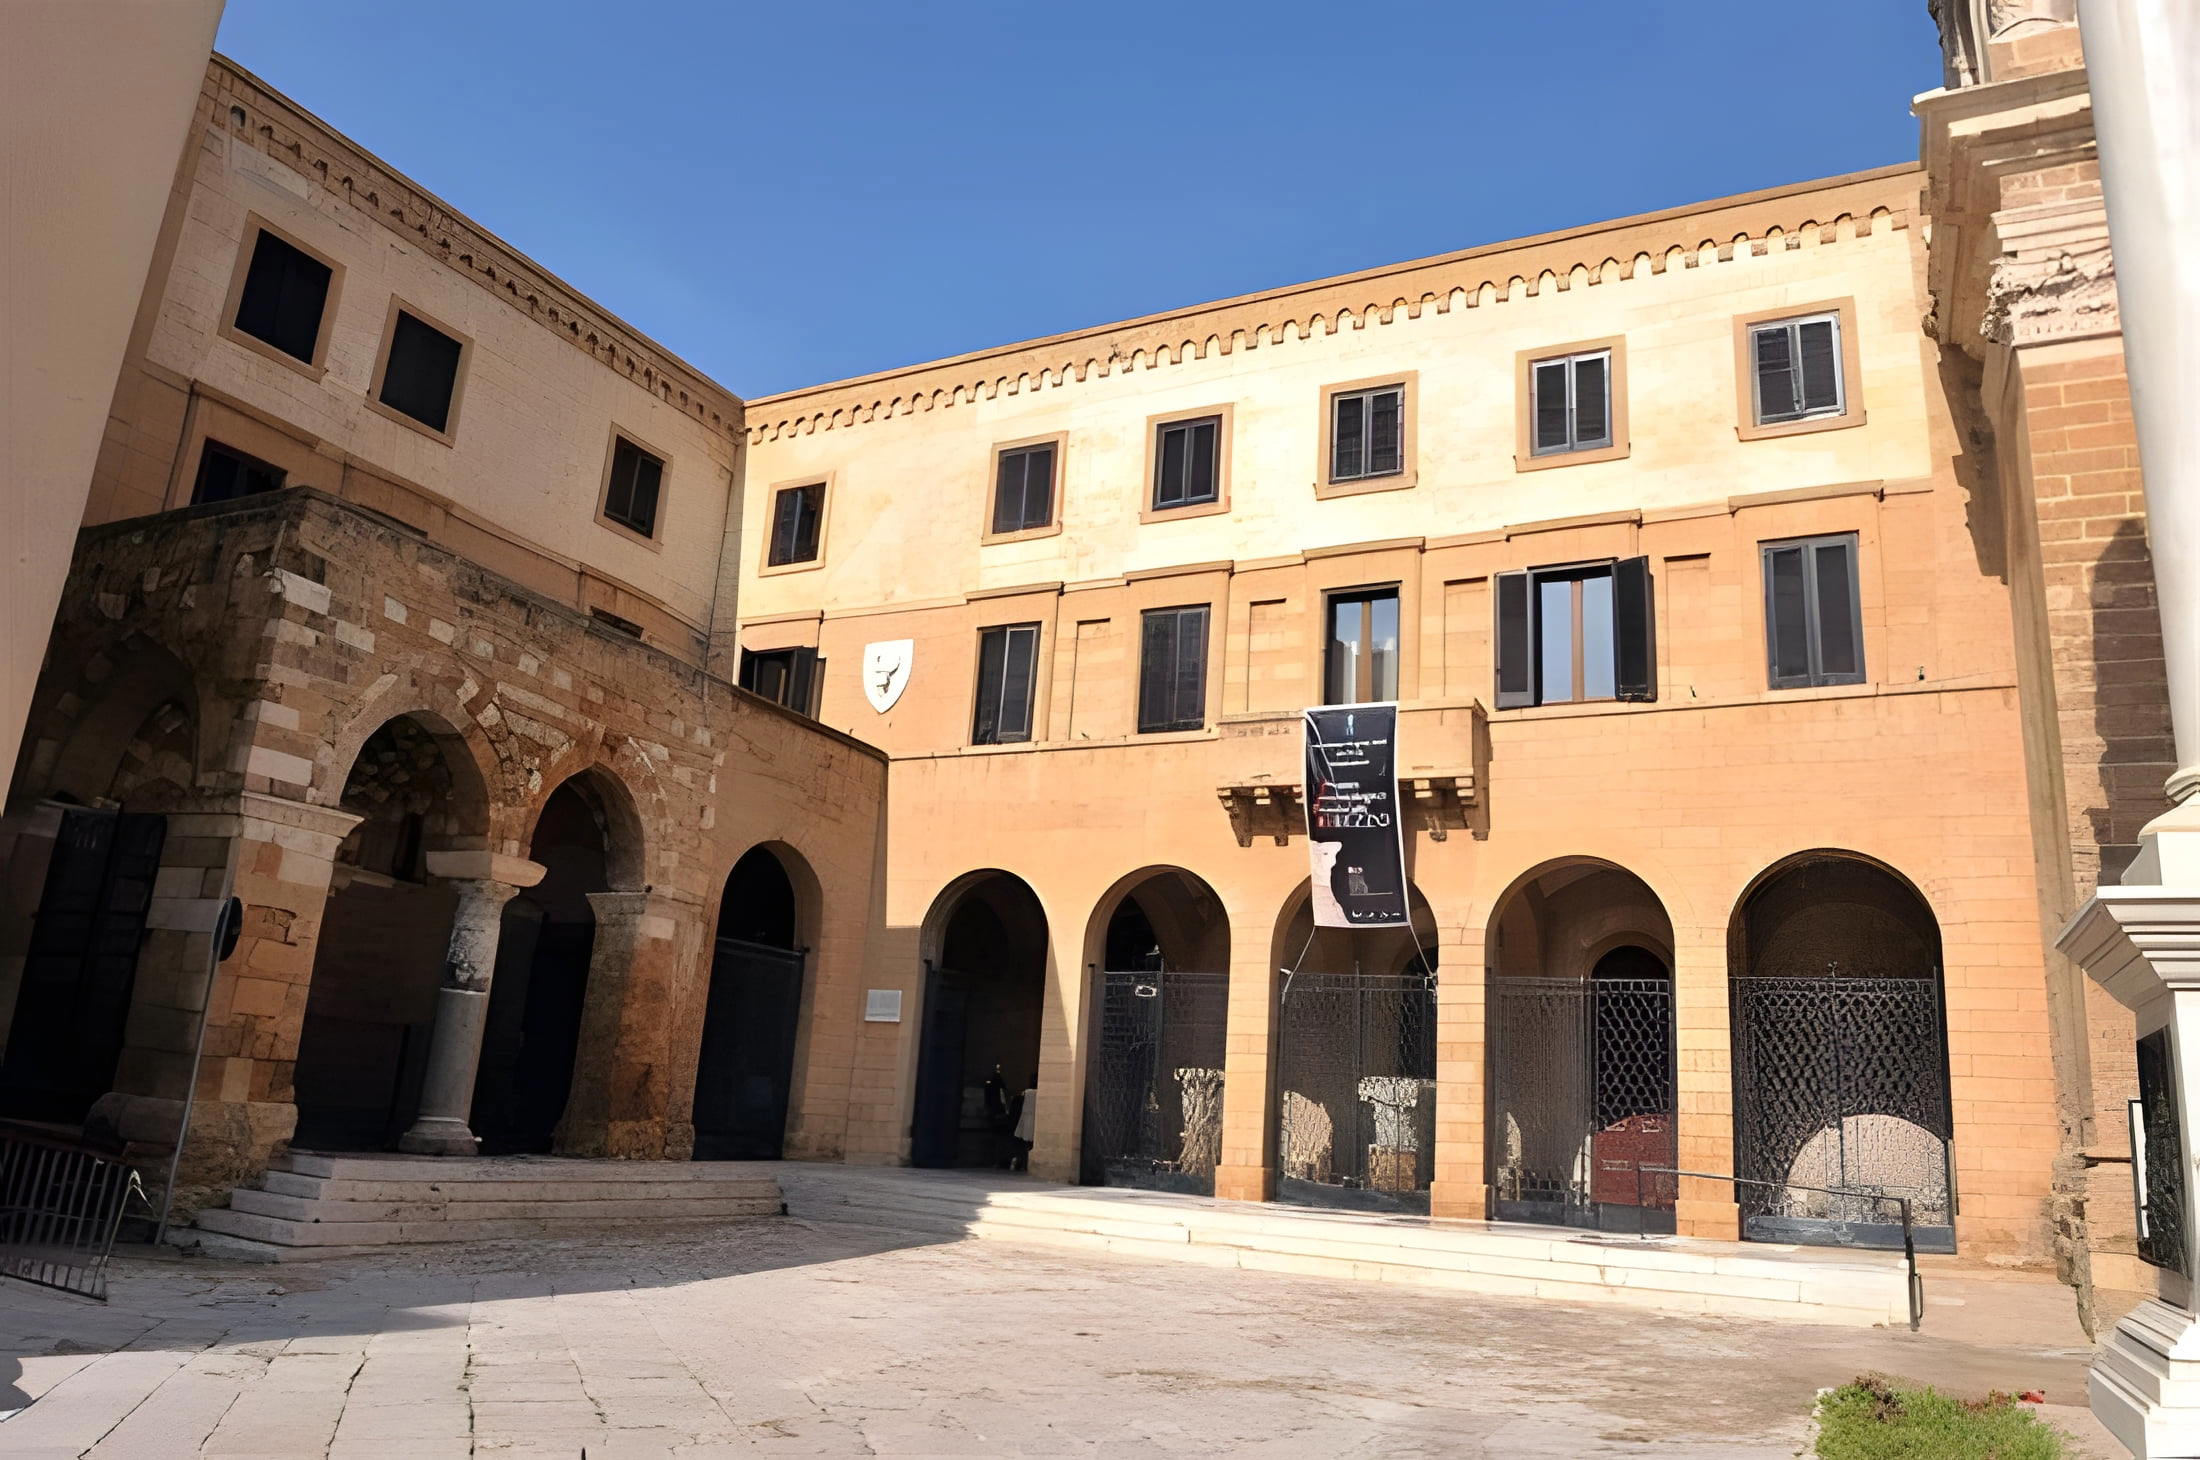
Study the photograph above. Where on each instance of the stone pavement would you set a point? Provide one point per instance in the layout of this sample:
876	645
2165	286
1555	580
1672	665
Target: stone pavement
787	1337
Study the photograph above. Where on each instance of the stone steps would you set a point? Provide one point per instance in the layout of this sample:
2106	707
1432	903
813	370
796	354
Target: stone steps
322	1205
1667	1274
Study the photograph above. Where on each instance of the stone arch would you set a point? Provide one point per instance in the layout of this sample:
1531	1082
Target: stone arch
987	951
130	720
481	794
612	802
757	1010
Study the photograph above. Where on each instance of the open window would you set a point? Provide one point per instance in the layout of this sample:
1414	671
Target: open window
1576	632
790	677
1008	656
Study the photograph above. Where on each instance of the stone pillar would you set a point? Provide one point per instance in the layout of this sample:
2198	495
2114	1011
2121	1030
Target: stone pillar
1247	1171
1703	1039
646	945
1461	1185
462	1008
1057	1136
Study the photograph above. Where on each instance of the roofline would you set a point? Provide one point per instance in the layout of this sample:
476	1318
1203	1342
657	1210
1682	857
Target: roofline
1871	174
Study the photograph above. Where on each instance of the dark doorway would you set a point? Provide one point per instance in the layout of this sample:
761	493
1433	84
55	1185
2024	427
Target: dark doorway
744	1076
978	1055
543	953
80	964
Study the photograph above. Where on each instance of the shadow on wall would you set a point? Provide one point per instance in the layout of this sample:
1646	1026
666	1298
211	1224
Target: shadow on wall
2130	702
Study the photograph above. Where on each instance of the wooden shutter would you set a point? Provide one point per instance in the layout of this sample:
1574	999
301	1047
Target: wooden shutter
1190	690
1515	643
1787	616
1834	616
1547	384
1592	400
1775	373
1168	471
1819	366
1038	486
1008	493
1634	631
985	725
1157	671
786	509
1348	444
1020	651
803	674
1385	420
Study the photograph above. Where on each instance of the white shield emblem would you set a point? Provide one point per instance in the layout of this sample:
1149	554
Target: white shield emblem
886	671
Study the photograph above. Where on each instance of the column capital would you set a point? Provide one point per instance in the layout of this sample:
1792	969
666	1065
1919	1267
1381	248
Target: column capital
481	865
2140	943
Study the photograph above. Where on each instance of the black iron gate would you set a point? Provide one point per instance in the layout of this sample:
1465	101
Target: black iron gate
1356	1081
1842	1082
1584	1099
1153	1092
746	1069
60	1206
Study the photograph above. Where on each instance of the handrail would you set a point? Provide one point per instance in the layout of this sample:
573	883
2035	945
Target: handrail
1902	1203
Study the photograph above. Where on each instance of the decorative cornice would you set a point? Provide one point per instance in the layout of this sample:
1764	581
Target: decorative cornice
2041	300
1750	226
238	104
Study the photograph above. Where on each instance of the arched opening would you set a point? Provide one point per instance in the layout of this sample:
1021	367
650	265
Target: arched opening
384	939
1840	1057
81	873
1356	1061
978	1055
1580	1013
1153	1086
544	946
745	1073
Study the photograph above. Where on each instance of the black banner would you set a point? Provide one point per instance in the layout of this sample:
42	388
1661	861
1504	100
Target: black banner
1354	834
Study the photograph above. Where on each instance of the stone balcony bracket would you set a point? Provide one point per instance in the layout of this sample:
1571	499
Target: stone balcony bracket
1440	800
1263	808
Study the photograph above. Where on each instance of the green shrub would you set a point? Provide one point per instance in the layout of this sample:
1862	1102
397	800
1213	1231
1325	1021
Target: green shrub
1872	1419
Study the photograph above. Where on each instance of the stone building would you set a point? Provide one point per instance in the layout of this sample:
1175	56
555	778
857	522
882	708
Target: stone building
1762	585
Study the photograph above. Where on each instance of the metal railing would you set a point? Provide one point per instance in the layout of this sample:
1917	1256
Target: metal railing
1902	1206
61	1204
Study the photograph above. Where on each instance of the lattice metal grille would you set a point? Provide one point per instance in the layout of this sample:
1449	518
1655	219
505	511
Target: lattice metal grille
2162	1242
1153	1098
1584	1097
1356	1076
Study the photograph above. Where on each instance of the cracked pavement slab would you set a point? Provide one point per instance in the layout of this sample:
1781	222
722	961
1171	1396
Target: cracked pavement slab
792	1338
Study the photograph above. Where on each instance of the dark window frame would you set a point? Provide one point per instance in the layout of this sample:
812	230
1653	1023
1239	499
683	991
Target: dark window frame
386	364
1365	688
1003	722
793	677
617	506
1186	451
1812	673
239	467
1518	635
1170	697
255	319
797	543
1570	364
1020	455
1365	467
1799	407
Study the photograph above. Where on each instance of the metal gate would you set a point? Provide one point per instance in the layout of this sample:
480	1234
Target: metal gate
1153	1097
1356	1080
745	1073
60	1206
1584	1099
1842	1082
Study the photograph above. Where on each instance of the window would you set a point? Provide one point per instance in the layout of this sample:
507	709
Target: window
1584	631
1814	629
1007	671
797	514
630	495
1367	433
1360	660
615	623
226	472
284	295
1187	464
1172	669
1023	489
1795	367
790	677
420	371
1571	402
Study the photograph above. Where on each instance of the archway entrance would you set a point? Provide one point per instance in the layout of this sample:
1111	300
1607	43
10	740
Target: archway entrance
979	1050
1840	1057
745	1073
1356	1062
370	1010
1153	1087
543	950
1582	1051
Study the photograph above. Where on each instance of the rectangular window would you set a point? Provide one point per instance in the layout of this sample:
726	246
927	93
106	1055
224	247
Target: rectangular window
1186	469
1584	631
1172	669
1023	489
1007	672
797	513
630	497
1570	402
226	472
1814	627
1797	366
790	677
1360	662
420	377
285	290
1367	433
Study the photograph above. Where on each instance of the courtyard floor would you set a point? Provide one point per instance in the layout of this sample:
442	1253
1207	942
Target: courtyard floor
787	1337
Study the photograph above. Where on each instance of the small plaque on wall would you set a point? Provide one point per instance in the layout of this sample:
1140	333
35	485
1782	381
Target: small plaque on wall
882	1006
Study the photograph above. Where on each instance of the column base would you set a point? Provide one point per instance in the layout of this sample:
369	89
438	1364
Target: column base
2145	1382
1721	1221
1459	1200
439	1135
1245	1183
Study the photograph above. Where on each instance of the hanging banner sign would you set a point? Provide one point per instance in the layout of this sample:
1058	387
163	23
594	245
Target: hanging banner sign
1354	834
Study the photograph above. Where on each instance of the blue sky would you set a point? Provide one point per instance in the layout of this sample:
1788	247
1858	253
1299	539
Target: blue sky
789	194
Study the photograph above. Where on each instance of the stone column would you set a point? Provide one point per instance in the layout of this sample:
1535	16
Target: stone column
462	1006
1461	1185
1247	1171
646	945
1704	1082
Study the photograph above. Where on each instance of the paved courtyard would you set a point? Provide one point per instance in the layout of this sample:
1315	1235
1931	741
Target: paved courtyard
791	1338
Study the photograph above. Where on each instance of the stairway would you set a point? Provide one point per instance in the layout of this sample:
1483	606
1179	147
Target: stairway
309	1205
1669	1274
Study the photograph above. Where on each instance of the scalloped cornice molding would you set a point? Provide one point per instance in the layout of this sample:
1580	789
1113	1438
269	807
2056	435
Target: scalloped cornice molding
1751	225
325	157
